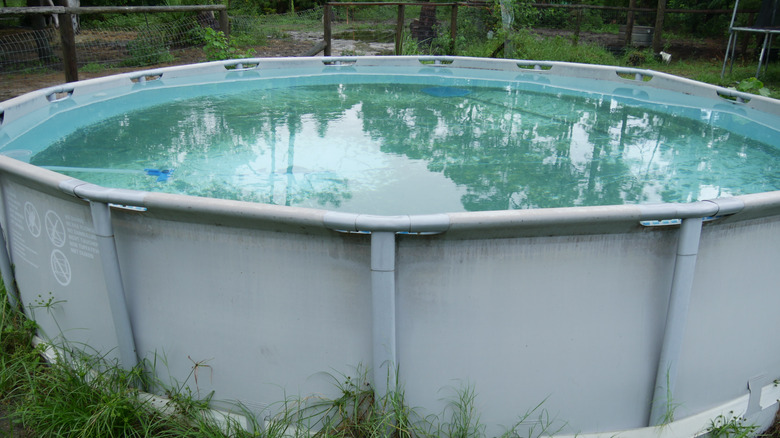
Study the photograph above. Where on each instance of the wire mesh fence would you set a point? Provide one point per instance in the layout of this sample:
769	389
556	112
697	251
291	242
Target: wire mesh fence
28	51
138	40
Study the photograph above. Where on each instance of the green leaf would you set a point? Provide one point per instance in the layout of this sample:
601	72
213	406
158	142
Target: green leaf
750	85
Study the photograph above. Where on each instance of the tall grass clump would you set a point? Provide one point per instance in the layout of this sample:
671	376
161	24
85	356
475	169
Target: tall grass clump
529	46
356	412
82	395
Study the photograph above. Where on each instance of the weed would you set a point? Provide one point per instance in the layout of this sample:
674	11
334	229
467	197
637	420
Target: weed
670	406
535	425
753	85
730	427
218	47
89	395
464	419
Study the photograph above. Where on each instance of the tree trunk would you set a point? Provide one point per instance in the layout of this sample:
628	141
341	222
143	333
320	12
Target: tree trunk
41	36
507	19
659	26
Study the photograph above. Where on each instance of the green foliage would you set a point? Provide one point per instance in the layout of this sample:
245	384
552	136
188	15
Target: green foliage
464	420
753	85
147	50
93	67
730	427
250	37
121	21
254	7
218	47
558	48
88	396
550	17
537	423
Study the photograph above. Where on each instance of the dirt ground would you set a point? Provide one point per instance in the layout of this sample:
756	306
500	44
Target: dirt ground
300	42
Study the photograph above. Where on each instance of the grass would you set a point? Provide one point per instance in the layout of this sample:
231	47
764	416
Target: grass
730	427
82	395
530	47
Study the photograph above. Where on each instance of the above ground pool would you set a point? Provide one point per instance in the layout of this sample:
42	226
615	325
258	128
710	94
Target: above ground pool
599	241
420	139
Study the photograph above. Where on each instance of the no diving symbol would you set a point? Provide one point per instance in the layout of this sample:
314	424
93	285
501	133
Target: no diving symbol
55	229
60	267
32	219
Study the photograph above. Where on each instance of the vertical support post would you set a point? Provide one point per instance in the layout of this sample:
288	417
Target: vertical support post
630	23
224	23
7	271
659	26
726	58
764	52
383	311
453	27
326	22
68	39
399	31
676	318
104	232
733	40
769	50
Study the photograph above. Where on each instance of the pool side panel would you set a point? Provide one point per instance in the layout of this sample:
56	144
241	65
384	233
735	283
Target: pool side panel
733	314
575	322
267	313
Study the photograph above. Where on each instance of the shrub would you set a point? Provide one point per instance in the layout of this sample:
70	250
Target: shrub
218	47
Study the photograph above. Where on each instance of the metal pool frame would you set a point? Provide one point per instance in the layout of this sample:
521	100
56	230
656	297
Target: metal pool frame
614	316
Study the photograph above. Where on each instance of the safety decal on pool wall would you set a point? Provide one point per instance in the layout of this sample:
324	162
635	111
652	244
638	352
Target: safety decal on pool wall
55	229
24	219
41	236
60	266
32	218
82	238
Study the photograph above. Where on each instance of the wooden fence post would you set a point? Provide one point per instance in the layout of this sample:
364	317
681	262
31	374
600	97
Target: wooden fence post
576	40
399	31
224	23
659	26
630	23
68	38
326	24
453	27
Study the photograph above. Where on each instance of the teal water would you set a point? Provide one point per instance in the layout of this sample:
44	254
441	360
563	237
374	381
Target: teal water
413	149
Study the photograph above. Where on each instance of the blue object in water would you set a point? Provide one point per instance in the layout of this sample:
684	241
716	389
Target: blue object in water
446	91
162	175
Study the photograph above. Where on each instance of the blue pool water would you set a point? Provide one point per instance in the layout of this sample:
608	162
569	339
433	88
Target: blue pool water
424	144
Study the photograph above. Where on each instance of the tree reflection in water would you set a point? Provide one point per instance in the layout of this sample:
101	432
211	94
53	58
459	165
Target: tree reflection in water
353	147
